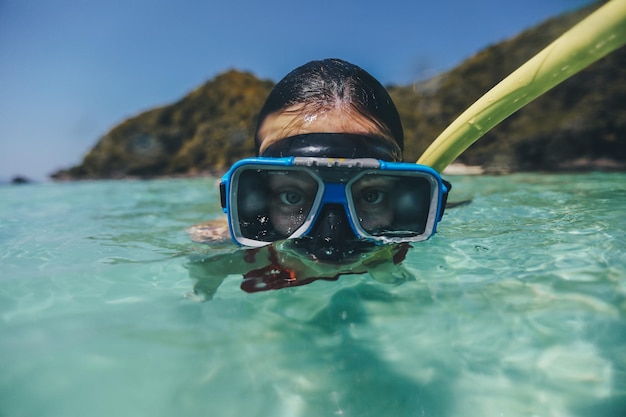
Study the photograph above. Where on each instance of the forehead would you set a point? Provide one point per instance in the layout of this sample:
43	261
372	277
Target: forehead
296	120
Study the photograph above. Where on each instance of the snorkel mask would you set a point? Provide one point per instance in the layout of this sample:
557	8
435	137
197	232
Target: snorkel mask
332	207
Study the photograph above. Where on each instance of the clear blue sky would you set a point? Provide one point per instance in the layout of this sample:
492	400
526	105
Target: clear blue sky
72	69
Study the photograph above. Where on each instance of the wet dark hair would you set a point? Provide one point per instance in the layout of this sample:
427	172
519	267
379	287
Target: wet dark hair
322	84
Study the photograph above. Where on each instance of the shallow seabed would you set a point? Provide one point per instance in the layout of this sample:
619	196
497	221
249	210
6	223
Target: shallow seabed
518	308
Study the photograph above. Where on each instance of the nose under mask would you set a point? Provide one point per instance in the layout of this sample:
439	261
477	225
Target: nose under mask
332	238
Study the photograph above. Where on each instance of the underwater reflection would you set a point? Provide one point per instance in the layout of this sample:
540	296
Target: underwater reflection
284	264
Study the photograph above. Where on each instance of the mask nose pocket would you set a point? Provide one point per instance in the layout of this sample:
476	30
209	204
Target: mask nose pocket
332	225
331	237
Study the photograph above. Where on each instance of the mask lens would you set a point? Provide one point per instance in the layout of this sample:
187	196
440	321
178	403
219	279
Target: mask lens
273	204
393	205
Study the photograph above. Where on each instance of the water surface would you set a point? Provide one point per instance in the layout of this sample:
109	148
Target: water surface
517	308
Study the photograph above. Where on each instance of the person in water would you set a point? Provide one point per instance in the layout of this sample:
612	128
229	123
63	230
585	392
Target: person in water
328	193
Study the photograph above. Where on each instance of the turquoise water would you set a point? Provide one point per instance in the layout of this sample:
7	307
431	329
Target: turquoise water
517	308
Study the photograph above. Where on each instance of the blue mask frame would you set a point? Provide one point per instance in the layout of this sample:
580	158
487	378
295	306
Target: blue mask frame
333	180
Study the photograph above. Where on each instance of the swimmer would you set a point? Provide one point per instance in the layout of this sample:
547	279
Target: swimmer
328	193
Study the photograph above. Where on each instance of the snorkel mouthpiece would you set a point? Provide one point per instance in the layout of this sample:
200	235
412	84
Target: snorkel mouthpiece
335	252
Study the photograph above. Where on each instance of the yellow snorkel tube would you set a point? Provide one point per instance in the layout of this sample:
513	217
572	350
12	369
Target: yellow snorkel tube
594	37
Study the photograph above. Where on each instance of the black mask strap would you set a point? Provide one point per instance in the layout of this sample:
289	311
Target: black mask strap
335	145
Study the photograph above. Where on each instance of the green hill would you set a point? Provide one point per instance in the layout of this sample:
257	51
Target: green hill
580	124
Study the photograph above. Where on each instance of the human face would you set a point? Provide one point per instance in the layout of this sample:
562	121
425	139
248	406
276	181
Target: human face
295	196
292	196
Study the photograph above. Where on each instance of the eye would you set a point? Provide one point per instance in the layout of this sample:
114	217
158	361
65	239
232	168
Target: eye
291	198
372	196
